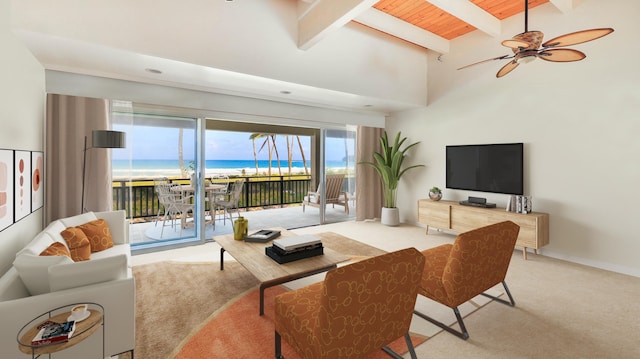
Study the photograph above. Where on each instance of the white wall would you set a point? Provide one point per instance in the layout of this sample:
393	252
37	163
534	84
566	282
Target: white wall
250	37
206	104
579	122
21	121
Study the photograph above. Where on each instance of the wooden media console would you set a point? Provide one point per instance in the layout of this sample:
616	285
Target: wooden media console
452	216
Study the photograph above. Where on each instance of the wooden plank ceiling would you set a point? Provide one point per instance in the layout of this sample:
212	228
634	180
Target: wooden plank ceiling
429	17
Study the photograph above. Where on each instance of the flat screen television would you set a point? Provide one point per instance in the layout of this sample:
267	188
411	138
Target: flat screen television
496	168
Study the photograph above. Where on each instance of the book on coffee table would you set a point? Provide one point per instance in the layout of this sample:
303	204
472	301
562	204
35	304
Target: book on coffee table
262	236
297	242
274	254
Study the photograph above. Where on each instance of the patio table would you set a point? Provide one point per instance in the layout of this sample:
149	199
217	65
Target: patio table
211	190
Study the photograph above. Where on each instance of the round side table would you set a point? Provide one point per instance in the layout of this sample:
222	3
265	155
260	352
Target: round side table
83	330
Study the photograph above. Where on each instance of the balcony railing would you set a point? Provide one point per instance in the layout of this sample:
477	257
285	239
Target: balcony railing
139	199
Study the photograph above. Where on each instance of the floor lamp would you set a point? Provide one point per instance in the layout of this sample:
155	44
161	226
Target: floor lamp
101	139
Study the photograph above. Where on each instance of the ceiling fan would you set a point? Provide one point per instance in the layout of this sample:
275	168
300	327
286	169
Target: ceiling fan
528	46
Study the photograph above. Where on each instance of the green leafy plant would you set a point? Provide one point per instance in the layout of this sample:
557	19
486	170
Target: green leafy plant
435	190
388	164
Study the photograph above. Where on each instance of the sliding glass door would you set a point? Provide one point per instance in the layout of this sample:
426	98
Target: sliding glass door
155	179
164	179
340	174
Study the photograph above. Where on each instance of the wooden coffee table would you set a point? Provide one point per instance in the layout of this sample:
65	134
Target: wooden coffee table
269	272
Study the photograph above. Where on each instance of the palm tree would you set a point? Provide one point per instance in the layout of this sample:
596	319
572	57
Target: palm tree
304	159
274	149
270	142
289	153
255	153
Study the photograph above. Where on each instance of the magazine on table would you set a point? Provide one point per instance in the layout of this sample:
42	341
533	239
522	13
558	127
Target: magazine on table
51	332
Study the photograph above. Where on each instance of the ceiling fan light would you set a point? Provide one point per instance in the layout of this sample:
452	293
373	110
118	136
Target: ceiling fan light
526	59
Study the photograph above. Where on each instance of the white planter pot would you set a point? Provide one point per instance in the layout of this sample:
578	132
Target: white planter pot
390	216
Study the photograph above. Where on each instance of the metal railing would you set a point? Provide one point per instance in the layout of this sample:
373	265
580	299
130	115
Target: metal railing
139	198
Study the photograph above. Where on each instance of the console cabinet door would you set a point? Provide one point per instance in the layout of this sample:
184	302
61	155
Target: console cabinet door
464	218
434	214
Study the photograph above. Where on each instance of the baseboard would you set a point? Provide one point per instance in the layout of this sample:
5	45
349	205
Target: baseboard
635	272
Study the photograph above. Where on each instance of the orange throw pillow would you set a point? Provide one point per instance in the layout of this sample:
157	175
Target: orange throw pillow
78	243
98	233
56	249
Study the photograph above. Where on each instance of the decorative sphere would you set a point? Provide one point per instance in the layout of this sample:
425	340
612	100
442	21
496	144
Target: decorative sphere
435	196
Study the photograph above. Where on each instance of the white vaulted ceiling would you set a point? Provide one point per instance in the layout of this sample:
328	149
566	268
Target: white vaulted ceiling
262	48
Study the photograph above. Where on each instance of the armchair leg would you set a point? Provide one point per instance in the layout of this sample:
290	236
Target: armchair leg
511	302
463	334
412	350
278	346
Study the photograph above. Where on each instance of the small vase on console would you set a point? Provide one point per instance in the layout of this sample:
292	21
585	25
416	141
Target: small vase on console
435	194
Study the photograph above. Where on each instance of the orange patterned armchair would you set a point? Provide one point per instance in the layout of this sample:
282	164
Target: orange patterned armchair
475	262
356	310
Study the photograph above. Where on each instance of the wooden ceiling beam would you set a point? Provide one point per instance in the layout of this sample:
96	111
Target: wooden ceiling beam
325	17
471	14
393	26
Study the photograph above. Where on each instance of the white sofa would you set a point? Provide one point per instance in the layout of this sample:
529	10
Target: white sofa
37	284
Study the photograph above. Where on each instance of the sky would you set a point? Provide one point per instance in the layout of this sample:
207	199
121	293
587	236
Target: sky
159	143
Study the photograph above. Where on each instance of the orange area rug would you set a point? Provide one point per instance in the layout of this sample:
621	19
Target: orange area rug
237	331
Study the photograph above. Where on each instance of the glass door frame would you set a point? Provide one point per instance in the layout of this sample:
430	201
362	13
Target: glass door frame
198	236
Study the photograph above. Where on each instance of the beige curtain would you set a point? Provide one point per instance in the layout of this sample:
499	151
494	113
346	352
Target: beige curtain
69	120
368	185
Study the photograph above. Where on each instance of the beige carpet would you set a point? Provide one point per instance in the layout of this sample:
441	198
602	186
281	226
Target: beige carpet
175	297
563	310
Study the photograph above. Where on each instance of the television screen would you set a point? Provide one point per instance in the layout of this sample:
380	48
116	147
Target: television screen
496	168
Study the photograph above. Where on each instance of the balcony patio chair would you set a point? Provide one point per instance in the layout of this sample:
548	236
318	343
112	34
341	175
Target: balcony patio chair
162	188
358	309
173	204
223	180
231	201
475	262
335	194
217	195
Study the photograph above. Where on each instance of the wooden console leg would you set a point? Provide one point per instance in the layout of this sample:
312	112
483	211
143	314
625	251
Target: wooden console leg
427	231
524	253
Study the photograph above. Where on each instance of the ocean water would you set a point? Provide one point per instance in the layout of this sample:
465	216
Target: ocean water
170	168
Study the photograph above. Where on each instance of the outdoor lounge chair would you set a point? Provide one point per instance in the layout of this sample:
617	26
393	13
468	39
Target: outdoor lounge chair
335	194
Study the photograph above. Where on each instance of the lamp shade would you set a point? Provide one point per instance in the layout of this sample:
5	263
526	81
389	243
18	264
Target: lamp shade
109	139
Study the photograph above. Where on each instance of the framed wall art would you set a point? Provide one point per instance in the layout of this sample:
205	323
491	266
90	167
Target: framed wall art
22	185
37	180
6	188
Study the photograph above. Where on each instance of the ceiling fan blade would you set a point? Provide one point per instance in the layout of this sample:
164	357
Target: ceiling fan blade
483	61
529	40
577	37
561	55
510	66
515	44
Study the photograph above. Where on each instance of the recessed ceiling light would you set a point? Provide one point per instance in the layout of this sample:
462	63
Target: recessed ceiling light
285	92
153	71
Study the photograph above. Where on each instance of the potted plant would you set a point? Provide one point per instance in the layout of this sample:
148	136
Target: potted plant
435	194
388	164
